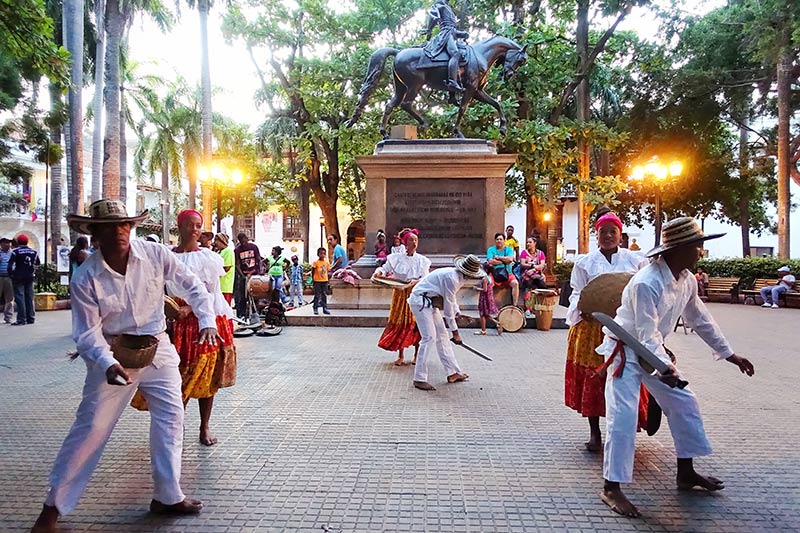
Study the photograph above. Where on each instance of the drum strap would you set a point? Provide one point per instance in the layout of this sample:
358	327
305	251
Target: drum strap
432	301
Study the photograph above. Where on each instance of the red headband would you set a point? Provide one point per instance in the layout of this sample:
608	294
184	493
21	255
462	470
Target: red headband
183	215
608	218
408	233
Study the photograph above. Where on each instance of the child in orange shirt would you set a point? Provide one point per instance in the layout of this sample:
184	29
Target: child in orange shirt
320	269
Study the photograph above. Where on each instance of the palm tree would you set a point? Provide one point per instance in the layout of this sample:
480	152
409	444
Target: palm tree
73	13
97	104
119	13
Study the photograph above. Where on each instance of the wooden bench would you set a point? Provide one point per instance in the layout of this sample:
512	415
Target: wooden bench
723	290
754	293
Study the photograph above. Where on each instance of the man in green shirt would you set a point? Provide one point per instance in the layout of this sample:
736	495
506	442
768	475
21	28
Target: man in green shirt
225	281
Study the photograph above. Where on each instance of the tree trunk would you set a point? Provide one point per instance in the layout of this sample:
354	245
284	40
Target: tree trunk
191	173
111	168
165	216
56	206
123	154
97	103
784	115
582	101
744	191
73	10
205	108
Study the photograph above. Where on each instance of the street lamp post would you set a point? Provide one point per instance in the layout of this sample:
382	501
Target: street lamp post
659	173
220	177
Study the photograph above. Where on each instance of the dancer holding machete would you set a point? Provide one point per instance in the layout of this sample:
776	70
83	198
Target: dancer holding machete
651	304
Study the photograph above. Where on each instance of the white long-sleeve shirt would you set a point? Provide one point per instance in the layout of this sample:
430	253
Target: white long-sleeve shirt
651	305
589	266
405	267
208	267
443	282
106	303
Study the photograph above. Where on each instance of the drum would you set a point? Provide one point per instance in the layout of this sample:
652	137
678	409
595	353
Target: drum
545	301
171	308
604	293
389	282
259	287
511	318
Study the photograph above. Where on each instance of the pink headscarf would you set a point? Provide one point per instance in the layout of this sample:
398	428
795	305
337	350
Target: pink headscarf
408	232
605	219
183	215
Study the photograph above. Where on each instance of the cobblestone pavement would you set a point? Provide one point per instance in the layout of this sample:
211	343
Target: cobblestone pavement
322	434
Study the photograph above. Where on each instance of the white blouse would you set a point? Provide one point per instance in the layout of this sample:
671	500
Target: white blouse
405	267
589	266
208	266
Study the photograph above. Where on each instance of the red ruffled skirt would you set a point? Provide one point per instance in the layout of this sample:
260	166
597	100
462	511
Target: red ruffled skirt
401	329
584	388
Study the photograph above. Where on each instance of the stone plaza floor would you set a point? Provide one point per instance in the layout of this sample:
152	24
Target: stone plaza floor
322	434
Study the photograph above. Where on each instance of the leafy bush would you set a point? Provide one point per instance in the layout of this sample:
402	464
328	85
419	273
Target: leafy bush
563	271
748	269
48	279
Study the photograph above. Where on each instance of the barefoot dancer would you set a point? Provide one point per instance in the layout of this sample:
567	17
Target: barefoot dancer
118	290
651	304
205	368
438	290
401	330
583	387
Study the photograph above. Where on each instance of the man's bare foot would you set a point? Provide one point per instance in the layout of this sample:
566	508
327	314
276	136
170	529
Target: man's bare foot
46	521
423	385
695	480
619	503
207	438
455	378
187	506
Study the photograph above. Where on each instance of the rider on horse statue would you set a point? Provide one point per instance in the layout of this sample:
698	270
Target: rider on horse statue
442	14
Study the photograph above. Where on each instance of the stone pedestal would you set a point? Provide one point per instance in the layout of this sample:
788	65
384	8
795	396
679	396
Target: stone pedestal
452	190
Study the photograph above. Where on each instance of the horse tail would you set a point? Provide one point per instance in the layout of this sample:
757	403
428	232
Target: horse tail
377	62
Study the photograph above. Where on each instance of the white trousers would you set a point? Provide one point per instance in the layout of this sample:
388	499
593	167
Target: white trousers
434	337
622	407
99	412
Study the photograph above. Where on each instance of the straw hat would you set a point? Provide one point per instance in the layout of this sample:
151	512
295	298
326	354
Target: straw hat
104	212
223	238
680	231
604	293
470	266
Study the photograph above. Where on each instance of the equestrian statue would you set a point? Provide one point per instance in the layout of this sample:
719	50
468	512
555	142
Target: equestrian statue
445	63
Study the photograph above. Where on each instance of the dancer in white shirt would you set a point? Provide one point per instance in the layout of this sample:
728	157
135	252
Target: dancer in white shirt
441	284
651	304
120	290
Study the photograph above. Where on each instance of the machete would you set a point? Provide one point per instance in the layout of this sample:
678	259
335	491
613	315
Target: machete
471	349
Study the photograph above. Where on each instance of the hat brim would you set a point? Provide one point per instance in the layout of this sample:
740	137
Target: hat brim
459	264
82	224
664	247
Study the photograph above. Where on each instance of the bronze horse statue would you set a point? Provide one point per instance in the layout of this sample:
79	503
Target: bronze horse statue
412	70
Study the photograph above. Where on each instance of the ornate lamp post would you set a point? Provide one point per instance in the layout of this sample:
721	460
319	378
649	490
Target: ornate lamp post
659	174
218	177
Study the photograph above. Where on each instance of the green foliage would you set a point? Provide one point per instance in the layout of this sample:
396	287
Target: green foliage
747	269
48	279
563	270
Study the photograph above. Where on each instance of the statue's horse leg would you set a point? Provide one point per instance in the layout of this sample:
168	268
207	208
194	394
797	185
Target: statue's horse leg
466	97
406	105
400	91
481	96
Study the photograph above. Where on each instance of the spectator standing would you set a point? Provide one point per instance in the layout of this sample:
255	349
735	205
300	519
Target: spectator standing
205	240
22	268
772	294
702	281
78	254
226	280
296	280
319	276
6	286
511	242
339	253
248	263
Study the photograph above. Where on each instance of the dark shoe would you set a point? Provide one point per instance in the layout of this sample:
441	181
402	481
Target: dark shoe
326	311
187	506
316	312
18	323
424	385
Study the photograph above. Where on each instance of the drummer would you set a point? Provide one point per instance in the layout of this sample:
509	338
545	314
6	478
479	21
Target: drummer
583	388
401	329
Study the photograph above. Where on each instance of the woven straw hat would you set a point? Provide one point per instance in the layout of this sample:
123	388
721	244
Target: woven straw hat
604	293
680	231
470	266
104	212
